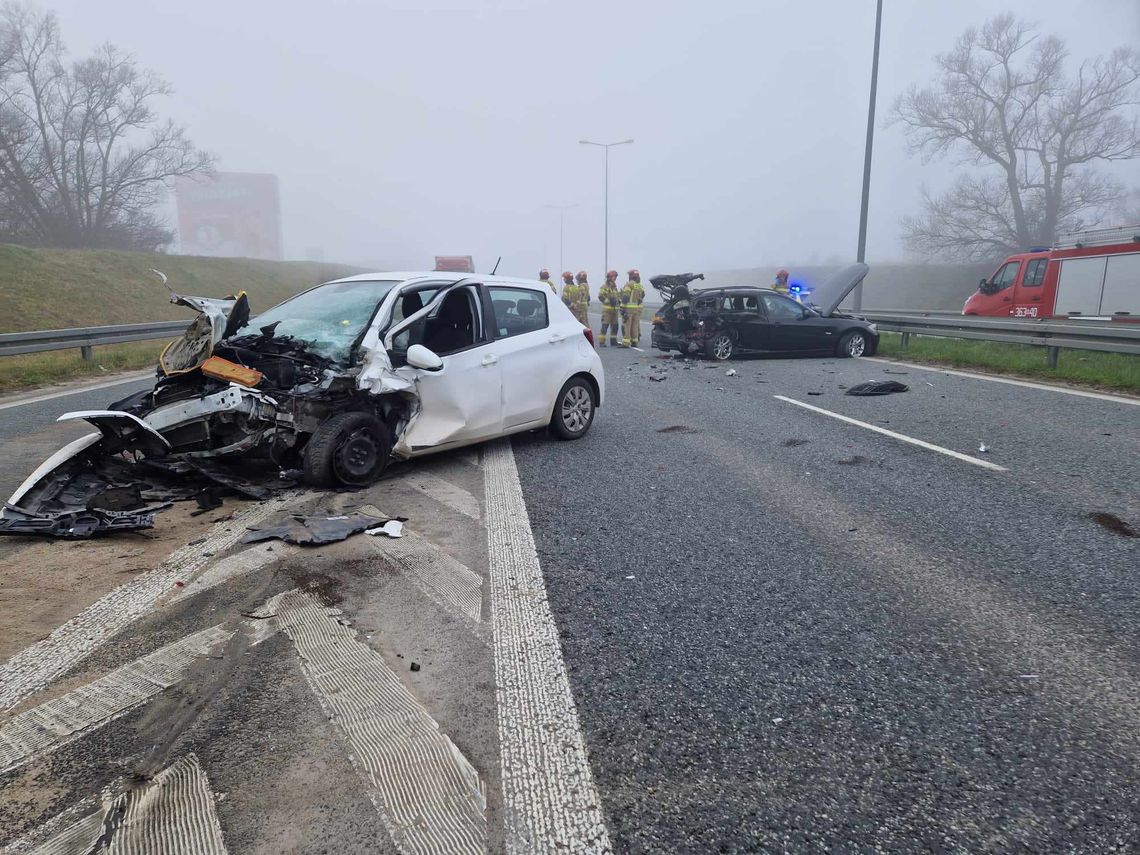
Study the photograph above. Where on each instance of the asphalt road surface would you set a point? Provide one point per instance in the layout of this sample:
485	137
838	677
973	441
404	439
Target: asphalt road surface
780	619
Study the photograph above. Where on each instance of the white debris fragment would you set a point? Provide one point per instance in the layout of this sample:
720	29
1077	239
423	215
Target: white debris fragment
730	372
983	448
392	528
629	577
777	721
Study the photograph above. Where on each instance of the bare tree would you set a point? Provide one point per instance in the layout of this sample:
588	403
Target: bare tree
1002	101
84	159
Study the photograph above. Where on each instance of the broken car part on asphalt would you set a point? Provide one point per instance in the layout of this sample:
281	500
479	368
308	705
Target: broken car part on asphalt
877	387
325	387
317	530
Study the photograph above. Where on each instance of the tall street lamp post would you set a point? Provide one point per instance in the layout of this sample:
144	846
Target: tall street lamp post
607	147
562	209
862	254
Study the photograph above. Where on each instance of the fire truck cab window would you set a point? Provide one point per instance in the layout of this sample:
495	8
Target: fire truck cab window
1035	272
1006	276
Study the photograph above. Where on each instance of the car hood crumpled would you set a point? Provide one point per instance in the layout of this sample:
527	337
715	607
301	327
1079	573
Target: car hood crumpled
831	293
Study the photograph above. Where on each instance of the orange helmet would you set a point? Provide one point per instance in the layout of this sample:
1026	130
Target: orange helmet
567	277
611	274
544	274
781	273
633	271
581	277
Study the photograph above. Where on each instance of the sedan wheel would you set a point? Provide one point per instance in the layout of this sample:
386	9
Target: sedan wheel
720	347
853	344
573	410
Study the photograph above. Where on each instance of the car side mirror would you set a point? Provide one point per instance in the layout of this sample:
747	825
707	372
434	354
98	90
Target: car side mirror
420	357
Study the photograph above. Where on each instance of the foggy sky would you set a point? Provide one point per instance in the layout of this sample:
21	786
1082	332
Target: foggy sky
402	129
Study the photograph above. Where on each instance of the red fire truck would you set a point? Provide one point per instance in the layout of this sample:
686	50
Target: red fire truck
455	263
1088	274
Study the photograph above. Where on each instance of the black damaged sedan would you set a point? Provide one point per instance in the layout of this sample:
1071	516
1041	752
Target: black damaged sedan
723	322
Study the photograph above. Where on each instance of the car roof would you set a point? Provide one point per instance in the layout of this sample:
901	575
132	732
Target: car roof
438	276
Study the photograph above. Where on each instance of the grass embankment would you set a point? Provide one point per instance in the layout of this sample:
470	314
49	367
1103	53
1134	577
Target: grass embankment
1117	371
43	289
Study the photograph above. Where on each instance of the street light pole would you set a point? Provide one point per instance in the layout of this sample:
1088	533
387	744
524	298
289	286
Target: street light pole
606	214
561	230
862	252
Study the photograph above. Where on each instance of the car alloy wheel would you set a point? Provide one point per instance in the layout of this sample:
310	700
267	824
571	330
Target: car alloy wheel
721	347
856	345
577	409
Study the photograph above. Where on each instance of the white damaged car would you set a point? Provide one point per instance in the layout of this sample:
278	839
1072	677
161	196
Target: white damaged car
331	383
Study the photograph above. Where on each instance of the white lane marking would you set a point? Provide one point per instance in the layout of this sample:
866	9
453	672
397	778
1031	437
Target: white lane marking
427	793
929	446
240	564
95	387
448	582
1009	381
64	719
38	664
550	803
173	813
444	492
77	837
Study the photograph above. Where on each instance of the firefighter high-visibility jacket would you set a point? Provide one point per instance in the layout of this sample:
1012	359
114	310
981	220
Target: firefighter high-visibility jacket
610	298
632	298
577	297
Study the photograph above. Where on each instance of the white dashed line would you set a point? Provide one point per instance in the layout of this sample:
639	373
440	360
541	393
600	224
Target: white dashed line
427	793
68	717
550	803
78	390
444	492
929	446
173	813
38	664
447	582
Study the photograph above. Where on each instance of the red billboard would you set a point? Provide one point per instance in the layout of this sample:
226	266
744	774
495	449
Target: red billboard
229	214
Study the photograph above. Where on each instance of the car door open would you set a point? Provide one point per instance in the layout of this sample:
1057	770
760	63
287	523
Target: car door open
461	400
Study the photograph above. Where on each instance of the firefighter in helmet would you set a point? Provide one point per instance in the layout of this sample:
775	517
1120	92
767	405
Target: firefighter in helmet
610	298
567	287
544	276
781	284
632	300
580	300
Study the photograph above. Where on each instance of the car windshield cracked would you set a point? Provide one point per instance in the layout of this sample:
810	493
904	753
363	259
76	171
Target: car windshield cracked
328	318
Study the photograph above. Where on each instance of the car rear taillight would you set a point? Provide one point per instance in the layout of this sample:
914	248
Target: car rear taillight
589	334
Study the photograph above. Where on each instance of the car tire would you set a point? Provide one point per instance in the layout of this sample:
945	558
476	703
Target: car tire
573	409
720	347
854	344
349	449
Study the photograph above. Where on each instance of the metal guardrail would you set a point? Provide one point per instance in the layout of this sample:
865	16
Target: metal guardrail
1107	336
86	337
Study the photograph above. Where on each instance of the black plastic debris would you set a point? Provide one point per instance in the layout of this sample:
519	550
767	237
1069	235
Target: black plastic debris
208	499
314	530
877	387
